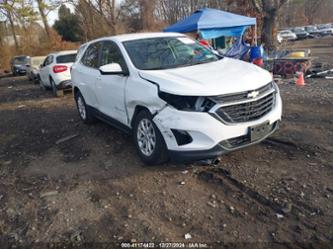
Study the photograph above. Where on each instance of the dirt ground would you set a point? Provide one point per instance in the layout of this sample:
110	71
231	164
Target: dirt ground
94	191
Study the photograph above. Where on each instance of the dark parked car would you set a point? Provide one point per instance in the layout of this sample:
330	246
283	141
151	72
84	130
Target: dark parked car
18	65
313	31
325	29
301	33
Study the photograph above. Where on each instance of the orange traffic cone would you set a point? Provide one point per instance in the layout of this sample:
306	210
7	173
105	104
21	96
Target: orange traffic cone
300	80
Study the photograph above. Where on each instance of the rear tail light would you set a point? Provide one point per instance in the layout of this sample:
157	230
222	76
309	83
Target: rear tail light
59	69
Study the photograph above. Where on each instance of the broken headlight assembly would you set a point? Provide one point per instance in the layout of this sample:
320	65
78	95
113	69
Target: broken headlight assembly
187	103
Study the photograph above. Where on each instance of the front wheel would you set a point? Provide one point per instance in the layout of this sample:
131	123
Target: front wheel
148	139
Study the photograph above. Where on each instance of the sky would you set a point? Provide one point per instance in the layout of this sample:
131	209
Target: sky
53	15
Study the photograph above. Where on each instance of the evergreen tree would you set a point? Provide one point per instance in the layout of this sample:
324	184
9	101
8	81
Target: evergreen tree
68	25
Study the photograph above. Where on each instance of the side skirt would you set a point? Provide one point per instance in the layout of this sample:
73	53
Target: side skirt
110	121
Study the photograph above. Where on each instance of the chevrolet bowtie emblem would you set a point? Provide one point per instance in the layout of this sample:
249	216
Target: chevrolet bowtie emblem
253	94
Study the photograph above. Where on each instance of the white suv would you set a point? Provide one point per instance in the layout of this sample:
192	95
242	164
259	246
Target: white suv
55	71
178	99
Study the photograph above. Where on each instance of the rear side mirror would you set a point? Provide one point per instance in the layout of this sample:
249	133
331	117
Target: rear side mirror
111	69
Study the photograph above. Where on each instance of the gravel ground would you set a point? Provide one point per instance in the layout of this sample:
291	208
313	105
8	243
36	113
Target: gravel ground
93	190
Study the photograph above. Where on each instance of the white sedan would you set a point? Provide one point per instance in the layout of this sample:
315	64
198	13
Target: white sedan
286	35
55	71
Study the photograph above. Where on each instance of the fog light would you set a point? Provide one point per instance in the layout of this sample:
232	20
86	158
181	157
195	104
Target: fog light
182	137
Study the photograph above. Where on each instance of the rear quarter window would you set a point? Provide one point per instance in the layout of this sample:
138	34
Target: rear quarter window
68	58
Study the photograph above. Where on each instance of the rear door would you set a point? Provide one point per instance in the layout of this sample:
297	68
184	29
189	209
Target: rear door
86	72
110	89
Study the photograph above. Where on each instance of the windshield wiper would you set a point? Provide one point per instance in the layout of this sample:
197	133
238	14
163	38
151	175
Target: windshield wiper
156	68
202	62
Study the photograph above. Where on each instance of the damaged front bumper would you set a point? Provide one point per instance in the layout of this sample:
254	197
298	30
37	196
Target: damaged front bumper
221	148
192	136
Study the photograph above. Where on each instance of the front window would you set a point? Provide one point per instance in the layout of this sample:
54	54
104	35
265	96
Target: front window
111	54
167	52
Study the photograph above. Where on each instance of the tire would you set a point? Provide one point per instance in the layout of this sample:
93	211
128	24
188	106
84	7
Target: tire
84	112
53	87
148	140
41	85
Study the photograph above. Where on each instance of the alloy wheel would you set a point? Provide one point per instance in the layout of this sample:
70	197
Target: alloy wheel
146	137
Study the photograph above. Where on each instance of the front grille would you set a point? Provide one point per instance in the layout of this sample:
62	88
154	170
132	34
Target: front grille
248	111
242	95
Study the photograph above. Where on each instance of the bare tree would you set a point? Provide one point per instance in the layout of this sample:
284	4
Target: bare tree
106	9
7	9
311	9
147	13
42	7
270	10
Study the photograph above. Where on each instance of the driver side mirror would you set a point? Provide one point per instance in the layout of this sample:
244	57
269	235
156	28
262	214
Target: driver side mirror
41	65
112	69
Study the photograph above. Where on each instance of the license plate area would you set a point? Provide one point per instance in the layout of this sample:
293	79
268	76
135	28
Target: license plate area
257	132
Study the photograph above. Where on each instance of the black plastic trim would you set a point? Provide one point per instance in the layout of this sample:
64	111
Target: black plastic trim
218	150
110	121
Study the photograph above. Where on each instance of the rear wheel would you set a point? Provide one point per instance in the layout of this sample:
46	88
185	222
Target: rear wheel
41	85
53	87
148	139
85	114
55	91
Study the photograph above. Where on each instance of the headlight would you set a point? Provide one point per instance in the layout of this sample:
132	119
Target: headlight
187	103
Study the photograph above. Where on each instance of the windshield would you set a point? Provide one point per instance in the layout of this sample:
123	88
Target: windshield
167	52
20	60
68	58
299	30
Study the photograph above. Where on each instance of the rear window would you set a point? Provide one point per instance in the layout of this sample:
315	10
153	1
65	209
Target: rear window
68	58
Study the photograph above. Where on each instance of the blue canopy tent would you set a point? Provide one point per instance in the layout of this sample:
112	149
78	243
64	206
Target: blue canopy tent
213	23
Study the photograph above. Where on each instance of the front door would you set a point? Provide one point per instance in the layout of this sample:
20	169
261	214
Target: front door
110	89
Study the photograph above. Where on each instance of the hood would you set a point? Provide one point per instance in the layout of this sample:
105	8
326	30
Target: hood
225	76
